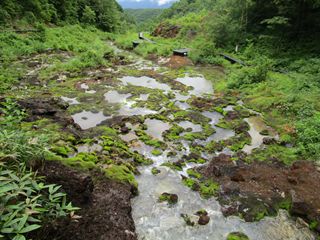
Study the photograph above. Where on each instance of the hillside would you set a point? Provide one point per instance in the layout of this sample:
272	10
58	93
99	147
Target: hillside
143	15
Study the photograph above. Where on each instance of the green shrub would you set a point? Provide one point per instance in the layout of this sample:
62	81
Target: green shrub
26	202
308	136
248	75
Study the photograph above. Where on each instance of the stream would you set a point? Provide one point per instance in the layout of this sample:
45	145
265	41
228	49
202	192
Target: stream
158	220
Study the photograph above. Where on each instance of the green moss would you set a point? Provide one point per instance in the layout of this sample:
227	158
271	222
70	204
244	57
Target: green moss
237	236
64	151
167	197
197	160
156	152
192	173
208	189
214	146
190	183
219	110
174	166
275	151
313	225
173	133
285	204
149	140
190	136
83	161
155	171
121	173
141	160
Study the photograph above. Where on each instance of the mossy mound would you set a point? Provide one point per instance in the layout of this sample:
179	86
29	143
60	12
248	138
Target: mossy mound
237	236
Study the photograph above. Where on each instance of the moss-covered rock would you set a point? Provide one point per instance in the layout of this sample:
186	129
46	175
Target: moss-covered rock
237	236
168	197
121	173
156	152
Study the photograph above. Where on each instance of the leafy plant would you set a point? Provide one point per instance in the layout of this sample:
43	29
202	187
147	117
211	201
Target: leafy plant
26	202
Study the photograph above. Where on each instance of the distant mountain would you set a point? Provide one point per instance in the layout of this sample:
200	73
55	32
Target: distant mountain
136	4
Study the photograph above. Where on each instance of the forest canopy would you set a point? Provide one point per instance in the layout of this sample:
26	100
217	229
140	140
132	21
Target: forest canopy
105	14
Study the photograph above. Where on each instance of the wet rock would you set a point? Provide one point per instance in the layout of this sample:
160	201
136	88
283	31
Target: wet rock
204	220
168	197
125	130
155	171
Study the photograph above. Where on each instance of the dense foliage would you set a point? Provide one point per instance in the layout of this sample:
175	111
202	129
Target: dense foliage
105	14
232	21
143	15
26	202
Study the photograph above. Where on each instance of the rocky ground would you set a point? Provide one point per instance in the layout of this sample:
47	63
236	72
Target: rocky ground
259	189
105	206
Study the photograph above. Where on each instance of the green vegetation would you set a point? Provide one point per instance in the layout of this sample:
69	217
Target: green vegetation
26	201
105	14
281	82
145	19
121	173
167	197
237	236
156	152
206	188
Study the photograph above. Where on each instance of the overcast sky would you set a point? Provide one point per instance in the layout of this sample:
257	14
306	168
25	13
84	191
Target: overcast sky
145	3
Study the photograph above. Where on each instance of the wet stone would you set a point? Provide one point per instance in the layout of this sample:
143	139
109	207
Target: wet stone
169	197
204	220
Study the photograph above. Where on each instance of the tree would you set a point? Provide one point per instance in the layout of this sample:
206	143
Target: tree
88	16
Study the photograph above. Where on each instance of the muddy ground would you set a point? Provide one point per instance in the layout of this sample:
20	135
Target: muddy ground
259	189
105	212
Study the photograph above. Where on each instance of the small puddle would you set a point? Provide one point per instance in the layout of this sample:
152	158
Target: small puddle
256	126
214	116
116	97
221	134
200	85
228	108
127	110
190	125
144	82
181	97
71	101
87	119
156	128
182	105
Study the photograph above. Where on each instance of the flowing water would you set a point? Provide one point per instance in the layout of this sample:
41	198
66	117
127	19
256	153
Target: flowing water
155	220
